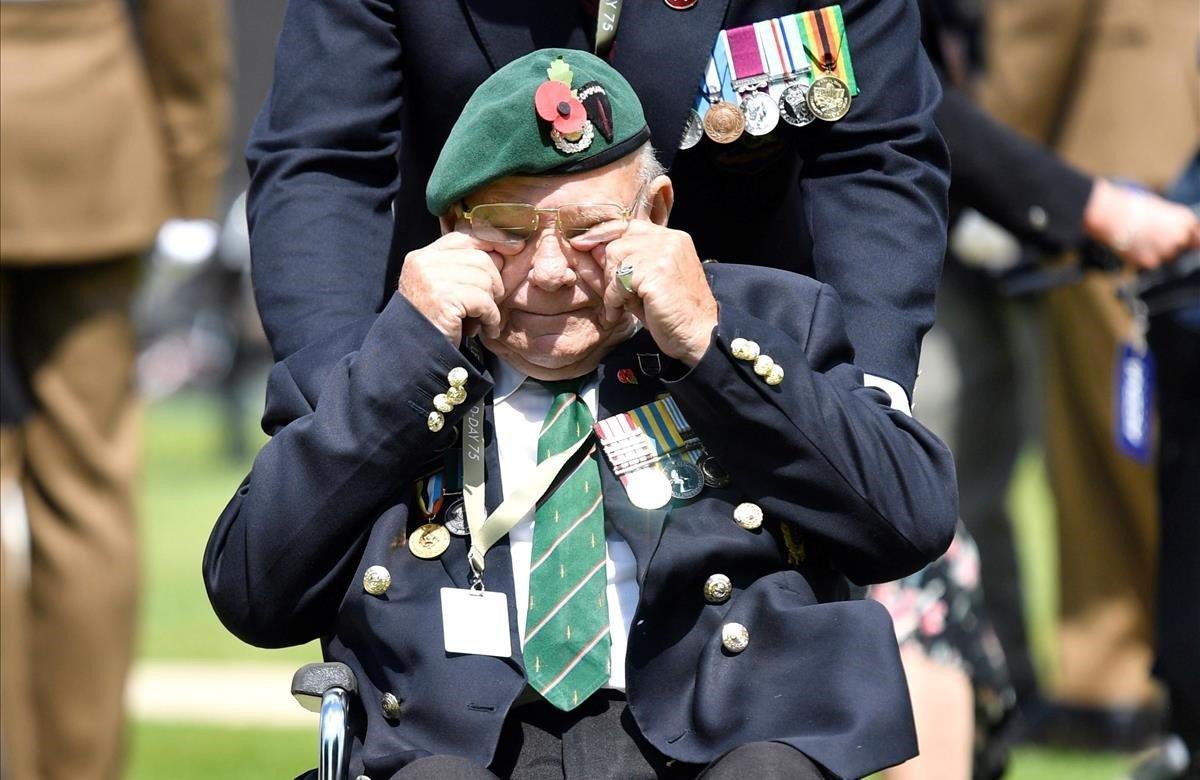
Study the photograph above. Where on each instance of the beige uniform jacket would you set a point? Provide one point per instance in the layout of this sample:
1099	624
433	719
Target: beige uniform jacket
1113	85
104	133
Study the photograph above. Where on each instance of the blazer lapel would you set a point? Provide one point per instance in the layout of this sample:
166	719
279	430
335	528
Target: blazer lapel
505	33
663	53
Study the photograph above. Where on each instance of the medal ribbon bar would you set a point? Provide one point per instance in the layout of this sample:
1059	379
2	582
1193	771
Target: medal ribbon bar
823	33
724	74
788	31
748	71
649	434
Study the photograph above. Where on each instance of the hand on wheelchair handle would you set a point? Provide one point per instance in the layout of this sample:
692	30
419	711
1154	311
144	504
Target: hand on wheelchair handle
1141	228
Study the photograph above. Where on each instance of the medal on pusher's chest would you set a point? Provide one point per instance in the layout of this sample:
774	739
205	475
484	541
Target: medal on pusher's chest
762	113
693	131
749	79
789	51
828	96
723	122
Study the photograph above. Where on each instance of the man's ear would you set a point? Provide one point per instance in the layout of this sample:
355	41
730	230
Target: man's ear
661	195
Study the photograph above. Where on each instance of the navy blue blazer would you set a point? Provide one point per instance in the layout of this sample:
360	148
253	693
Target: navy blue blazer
366	92
867	491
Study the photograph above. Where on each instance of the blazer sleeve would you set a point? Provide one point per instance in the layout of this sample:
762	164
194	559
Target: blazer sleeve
867	485
188	59
1017	183
323	166
281	554
875	191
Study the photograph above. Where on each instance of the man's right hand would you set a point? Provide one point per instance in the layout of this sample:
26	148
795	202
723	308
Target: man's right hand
455	282
1144	229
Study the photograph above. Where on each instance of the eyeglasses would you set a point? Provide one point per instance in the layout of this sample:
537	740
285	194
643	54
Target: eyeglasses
511	223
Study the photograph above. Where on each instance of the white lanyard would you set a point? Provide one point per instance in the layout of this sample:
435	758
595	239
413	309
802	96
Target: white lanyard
486	529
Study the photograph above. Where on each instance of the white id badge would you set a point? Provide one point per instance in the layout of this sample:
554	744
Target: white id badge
475	622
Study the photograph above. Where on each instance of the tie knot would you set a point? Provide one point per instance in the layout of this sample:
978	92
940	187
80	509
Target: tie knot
563	386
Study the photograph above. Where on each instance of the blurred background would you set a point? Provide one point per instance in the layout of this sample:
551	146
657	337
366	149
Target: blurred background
176	89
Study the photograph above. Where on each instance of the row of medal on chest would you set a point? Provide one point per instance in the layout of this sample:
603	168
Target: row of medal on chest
449	517
758	112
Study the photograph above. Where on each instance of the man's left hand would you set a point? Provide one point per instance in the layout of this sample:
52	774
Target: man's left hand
670	291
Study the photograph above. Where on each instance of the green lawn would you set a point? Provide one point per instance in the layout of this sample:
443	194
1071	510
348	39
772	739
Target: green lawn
174	752
1062	765
186	482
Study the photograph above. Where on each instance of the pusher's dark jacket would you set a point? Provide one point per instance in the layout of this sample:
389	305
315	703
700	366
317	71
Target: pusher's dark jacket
867	491
366	92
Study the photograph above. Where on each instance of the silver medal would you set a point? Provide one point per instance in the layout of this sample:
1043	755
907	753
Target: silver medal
793	106
455	518
714	473
693	131
761	112
648	488
686	479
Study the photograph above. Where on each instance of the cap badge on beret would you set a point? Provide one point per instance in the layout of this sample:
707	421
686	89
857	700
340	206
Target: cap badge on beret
573	116
599	109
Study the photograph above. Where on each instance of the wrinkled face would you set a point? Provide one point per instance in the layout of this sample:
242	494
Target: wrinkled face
552	314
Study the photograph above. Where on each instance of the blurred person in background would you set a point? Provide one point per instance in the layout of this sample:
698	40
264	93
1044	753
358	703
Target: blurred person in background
952	659
14	555
1172	309
112	120
198	327
1112	86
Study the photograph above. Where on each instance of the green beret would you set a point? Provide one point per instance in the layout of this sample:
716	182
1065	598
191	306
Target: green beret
551	112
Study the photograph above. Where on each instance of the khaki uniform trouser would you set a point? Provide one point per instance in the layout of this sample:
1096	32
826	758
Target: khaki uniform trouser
1106	504
68	602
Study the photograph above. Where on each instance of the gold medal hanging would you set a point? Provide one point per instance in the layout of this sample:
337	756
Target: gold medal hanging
429	541
828	96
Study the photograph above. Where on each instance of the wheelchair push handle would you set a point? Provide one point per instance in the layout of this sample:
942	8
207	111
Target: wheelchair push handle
327	688
311	682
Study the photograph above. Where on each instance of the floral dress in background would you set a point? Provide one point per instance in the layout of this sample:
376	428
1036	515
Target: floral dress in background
940	609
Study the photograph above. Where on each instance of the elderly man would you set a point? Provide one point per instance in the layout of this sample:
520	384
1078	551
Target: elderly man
610	536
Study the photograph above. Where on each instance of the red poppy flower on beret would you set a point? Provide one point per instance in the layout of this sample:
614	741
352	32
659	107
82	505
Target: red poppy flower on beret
556	104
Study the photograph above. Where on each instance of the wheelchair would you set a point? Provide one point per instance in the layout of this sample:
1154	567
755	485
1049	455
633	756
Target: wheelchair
327	689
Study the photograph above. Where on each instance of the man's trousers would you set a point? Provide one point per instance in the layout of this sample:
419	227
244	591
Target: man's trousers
1107	509
597	740
69	593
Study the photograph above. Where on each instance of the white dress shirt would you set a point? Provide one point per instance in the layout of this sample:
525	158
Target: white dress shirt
519	409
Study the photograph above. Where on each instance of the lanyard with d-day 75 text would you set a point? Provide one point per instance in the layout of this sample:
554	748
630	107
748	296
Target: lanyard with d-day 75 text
474	620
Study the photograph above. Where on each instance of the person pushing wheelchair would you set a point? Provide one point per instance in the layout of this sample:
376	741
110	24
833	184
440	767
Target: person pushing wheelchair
578	504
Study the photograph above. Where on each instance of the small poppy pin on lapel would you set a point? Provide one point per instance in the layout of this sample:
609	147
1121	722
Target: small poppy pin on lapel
626	376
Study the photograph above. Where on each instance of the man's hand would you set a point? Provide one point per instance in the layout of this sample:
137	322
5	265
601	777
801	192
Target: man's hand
455	282
1145	230
670	292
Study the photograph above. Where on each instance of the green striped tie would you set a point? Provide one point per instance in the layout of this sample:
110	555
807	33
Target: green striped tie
566	634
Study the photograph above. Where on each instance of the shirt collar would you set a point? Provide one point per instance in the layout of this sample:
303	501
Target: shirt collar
507	380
